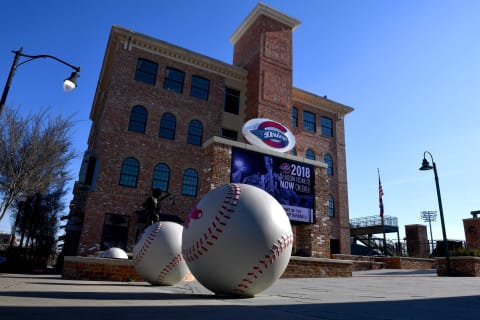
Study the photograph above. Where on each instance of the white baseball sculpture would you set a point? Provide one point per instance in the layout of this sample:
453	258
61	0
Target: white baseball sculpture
157	255
114	253
237	240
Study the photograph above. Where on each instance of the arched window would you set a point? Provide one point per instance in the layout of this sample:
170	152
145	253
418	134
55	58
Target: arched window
129	172
328	161
161	177
331	206
195	133
138	119
190	182
168	124
310	154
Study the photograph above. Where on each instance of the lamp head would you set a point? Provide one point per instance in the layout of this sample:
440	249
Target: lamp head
71	82
425	165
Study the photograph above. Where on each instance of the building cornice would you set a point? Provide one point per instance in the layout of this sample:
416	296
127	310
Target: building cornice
263	9
320	102
134	39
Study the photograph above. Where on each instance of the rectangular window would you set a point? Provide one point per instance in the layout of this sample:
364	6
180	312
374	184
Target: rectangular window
146	71
309	121
174	79
327	126
200	87
295	117
229	134
231	101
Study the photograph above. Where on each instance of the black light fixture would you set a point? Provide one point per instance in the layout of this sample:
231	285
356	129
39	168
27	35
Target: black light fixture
426	166
68	85
71	82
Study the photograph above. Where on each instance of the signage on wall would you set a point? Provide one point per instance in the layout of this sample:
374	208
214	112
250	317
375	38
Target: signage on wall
291	183
268	134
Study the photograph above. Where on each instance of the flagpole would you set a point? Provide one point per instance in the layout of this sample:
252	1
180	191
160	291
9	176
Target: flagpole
380	200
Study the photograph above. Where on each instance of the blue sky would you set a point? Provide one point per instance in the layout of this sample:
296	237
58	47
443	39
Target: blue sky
410	68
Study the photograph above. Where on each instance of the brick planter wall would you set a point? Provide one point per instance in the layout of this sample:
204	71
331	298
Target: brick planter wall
360	263
406	263
459	266
87	268
307	267
91	268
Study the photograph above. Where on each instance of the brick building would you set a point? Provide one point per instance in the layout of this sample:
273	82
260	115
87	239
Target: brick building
167	118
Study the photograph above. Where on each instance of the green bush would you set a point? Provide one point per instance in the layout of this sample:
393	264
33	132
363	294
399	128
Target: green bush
472	252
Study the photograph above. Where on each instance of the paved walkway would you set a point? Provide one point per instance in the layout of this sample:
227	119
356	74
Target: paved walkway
383	294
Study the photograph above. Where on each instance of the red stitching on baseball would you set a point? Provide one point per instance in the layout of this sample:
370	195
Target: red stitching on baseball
285	241
169	267
146	244
219	222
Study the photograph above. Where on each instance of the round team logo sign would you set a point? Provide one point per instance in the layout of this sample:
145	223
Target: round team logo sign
269	134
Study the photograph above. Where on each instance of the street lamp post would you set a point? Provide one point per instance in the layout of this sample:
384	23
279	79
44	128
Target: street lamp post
426	166
69	84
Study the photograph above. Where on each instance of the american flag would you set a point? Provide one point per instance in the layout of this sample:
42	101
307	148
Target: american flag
380	195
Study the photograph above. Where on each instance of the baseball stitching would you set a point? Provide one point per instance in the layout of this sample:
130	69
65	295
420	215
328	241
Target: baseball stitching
262	264
219	222
146	244
169	267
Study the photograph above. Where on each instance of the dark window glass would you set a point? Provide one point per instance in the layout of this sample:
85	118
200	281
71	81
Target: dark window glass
195	132
328	160
309	121
189	182
146	71
310	154
138	119
168	124
327	127
174	80
200	87
295	117
161	177
294	151
229	134
115	231
331	207
129	172
231	101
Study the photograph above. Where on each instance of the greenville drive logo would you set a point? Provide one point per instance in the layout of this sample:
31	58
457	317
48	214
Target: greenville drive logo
266	133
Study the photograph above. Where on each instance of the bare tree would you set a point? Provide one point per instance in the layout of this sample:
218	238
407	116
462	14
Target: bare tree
34	154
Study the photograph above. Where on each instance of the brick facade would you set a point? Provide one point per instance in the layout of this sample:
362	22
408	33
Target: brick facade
262	74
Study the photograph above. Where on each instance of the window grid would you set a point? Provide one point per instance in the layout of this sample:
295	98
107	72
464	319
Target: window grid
231	101
295	117
129	172
310	154
161	177
309	121
327	126
138	119
189	183
328	160
331	207
195	132
200	87
174	79
146	71
168	125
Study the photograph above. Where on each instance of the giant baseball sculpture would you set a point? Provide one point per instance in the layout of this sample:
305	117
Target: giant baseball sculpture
157	255
237	240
